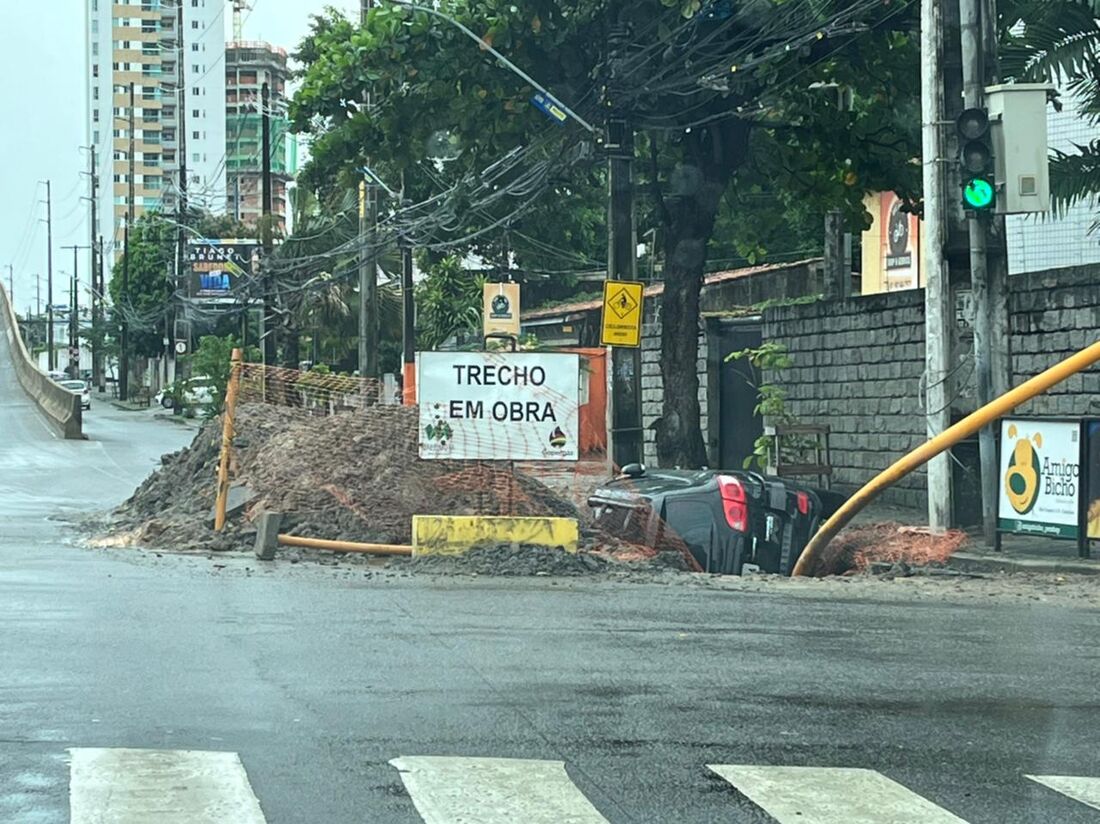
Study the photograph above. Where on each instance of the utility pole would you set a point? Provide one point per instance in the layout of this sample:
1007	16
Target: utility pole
51	357
181	204
973	67
11	284
937	294
997	247
270	353
38	296
124	338
97	280
408	316
368	270
74	314
625	435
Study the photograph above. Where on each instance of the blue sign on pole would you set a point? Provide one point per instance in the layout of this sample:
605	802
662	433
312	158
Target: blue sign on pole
550	107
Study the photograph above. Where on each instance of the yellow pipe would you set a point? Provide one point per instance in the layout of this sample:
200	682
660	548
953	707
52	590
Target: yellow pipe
945	440
227	440
345	546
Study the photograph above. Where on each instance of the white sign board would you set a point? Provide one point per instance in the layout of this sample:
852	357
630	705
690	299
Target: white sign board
499	406
1040	481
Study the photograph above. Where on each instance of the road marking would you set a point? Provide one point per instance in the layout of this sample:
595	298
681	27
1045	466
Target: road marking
823	795
1079	788
120	786
494	791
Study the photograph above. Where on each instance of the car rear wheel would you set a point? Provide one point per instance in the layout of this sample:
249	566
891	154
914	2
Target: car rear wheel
167	402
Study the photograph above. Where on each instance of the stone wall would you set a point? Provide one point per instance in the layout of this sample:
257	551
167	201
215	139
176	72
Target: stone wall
857	369
858	366
653	383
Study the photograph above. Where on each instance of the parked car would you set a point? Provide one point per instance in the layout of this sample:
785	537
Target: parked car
194	394
730	521
82	388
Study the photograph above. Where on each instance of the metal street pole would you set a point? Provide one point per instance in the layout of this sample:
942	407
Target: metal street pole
973	68
124	337
937	294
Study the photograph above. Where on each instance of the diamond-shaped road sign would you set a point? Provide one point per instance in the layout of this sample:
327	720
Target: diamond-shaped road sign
622	313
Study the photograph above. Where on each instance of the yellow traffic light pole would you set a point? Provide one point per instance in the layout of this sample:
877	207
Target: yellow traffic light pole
945	440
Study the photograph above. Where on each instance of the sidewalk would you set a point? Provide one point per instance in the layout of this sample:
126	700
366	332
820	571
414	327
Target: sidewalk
152	410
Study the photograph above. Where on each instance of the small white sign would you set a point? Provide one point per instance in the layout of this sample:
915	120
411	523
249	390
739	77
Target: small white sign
1040	482
499	406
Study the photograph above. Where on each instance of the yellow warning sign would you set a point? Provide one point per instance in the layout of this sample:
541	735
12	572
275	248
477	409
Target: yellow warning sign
622	313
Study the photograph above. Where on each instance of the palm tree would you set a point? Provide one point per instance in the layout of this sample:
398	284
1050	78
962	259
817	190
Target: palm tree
1058	41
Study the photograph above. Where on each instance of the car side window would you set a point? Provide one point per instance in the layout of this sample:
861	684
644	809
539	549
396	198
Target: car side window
689	523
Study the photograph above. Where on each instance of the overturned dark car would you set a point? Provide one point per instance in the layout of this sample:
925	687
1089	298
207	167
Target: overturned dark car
731	522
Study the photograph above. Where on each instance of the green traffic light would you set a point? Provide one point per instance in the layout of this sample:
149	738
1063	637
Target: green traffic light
978	193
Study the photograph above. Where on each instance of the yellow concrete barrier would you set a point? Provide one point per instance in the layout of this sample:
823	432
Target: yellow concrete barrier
457	534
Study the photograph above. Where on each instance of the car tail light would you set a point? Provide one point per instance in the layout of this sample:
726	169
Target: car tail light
734	503
804	503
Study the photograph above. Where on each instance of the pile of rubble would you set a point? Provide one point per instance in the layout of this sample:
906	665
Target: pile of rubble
350	477
868	548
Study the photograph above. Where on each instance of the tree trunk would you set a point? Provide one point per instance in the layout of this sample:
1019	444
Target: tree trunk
695	191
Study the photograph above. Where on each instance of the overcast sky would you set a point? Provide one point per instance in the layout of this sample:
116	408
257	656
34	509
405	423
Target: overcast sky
42	70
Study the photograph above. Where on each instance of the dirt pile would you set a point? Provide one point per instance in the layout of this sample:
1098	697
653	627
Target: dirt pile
857	548
354	477
522	560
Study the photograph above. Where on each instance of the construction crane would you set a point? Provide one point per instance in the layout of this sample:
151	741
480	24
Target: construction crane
239	6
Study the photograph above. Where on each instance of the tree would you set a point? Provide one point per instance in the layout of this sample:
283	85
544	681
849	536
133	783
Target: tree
448	304
726	97
1058	41
145	299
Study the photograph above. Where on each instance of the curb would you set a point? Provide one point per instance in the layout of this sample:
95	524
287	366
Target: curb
968	562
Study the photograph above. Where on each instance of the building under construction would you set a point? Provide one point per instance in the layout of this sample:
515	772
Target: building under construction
248	66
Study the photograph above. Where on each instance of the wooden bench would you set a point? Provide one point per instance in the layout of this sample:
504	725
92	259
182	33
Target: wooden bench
814	460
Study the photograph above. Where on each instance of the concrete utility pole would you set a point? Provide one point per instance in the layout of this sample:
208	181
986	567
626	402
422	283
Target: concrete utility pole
625	435
124	335
838	275
51	357
74	313
997	246
368	268
171	318
270	352
973	69
937	295
97	276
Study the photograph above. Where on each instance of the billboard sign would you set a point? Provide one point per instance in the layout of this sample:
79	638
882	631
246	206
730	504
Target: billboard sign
1040	479
900	248
216	264
1092	472
499	406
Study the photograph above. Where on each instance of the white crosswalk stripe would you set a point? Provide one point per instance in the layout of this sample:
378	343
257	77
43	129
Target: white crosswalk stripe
494	791
123	786
1079	788
823	795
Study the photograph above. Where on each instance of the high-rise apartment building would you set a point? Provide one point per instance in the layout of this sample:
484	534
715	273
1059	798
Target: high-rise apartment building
248	66
179	110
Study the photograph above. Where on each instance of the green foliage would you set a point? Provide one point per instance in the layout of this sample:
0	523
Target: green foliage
1058	41
448	304
211	365
144	299
771	400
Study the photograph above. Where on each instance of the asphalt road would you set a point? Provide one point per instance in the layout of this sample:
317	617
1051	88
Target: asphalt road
317	678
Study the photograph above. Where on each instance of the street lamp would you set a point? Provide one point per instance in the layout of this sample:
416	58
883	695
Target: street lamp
548	103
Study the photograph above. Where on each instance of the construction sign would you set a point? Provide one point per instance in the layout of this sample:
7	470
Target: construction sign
622	313
501	310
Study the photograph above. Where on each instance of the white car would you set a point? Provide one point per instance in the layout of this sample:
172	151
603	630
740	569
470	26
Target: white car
80	387
196	394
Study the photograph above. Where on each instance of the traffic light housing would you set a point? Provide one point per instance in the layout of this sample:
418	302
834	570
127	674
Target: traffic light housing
976	162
